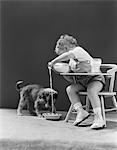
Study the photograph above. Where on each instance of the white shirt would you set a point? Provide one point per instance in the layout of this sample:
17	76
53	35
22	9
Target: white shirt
81	55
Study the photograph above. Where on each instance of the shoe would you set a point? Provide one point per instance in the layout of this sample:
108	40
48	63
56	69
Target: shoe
81	116
98	123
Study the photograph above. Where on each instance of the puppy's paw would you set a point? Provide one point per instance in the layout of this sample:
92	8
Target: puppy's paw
19	114
40	116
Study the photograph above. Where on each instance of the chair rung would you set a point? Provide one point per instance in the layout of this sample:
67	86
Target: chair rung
110	109
100	93
106	110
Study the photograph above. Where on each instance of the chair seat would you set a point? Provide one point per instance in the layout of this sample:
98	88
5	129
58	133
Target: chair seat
100	93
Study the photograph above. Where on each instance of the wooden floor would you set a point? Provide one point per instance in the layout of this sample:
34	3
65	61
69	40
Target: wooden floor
31	133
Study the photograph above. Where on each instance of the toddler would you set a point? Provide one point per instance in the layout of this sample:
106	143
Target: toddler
68	49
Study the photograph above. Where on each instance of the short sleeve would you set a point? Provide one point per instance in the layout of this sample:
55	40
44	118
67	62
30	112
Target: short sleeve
80	54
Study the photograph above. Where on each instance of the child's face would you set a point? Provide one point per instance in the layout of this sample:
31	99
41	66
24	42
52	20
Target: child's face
61	47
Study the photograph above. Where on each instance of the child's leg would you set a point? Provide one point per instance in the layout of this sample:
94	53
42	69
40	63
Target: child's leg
93	89
72	92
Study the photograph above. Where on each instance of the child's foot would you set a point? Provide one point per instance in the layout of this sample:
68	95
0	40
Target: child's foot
81	116
98	123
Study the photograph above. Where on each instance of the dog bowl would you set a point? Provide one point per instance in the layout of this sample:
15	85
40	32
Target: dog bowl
52	116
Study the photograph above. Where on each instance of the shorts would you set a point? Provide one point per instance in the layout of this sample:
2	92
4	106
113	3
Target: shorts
86	80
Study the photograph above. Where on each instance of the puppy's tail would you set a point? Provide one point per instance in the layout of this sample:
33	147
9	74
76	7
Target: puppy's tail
18	86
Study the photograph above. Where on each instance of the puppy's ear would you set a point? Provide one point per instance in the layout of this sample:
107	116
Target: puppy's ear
41	93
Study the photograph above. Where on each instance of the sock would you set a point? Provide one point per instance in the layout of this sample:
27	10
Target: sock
98	111
78	106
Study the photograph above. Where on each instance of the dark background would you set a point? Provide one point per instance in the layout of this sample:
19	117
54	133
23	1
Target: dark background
29	30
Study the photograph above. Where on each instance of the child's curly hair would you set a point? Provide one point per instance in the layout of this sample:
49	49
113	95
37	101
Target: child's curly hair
65	43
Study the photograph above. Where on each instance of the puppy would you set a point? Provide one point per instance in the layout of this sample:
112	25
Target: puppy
36	98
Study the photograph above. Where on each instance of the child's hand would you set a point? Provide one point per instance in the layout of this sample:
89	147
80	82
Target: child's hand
72	64
76	70
50	64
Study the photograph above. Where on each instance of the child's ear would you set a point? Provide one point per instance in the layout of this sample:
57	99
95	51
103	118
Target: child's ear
65	47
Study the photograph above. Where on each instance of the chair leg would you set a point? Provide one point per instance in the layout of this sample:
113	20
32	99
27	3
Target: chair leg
87	103
103	109
114	102
68	114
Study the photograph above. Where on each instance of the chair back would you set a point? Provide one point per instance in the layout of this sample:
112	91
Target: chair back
111	70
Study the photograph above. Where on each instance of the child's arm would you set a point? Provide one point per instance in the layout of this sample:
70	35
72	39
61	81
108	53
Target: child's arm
62	57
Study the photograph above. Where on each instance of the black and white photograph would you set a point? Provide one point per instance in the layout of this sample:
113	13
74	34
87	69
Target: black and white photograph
58	74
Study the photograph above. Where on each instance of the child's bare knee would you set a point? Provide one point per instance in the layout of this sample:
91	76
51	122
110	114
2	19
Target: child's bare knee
71	89
68	89
91	91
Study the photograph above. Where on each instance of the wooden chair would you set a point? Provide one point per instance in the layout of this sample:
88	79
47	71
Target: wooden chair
108	70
